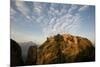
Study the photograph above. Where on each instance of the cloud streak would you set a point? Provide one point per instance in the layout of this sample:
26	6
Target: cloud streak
48	18
53	20
65	23
83	8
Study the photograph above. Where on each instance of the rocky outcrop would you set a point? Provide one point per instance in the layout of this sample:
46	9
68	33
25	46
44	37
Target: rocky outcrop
32	55
16	57
65	48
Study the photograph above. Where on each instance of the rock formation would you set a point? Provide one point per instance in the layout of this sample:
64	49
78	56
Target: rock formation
32	55
65	48
25	47
56	49
16	57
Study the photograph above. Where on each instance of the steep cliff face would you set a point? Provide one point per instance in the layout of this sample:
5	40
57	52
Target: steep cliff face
32	55
65	48
16	57
25	47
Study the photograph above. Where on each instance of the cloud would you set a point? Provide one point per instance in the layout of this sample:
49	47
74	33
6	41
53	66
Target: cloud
72	8
37	8
52	18
12	11
21	6
83	8
66	22
29	13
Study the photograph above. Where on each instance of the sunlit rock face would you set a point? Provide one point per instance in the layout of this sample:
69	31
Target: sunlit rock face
16	57
65	48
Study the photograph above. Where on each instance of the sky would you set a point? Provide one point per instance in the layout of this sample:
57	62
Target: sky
35	21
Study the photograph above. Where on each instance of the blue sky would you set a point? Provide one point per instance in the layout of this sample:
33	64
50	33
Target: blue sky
34	21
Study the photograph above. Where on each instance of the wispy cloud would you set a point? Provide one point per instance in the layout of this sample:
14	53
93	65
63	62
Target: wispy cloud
83	8
72	8
52	18
48	18
64	23
21	6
